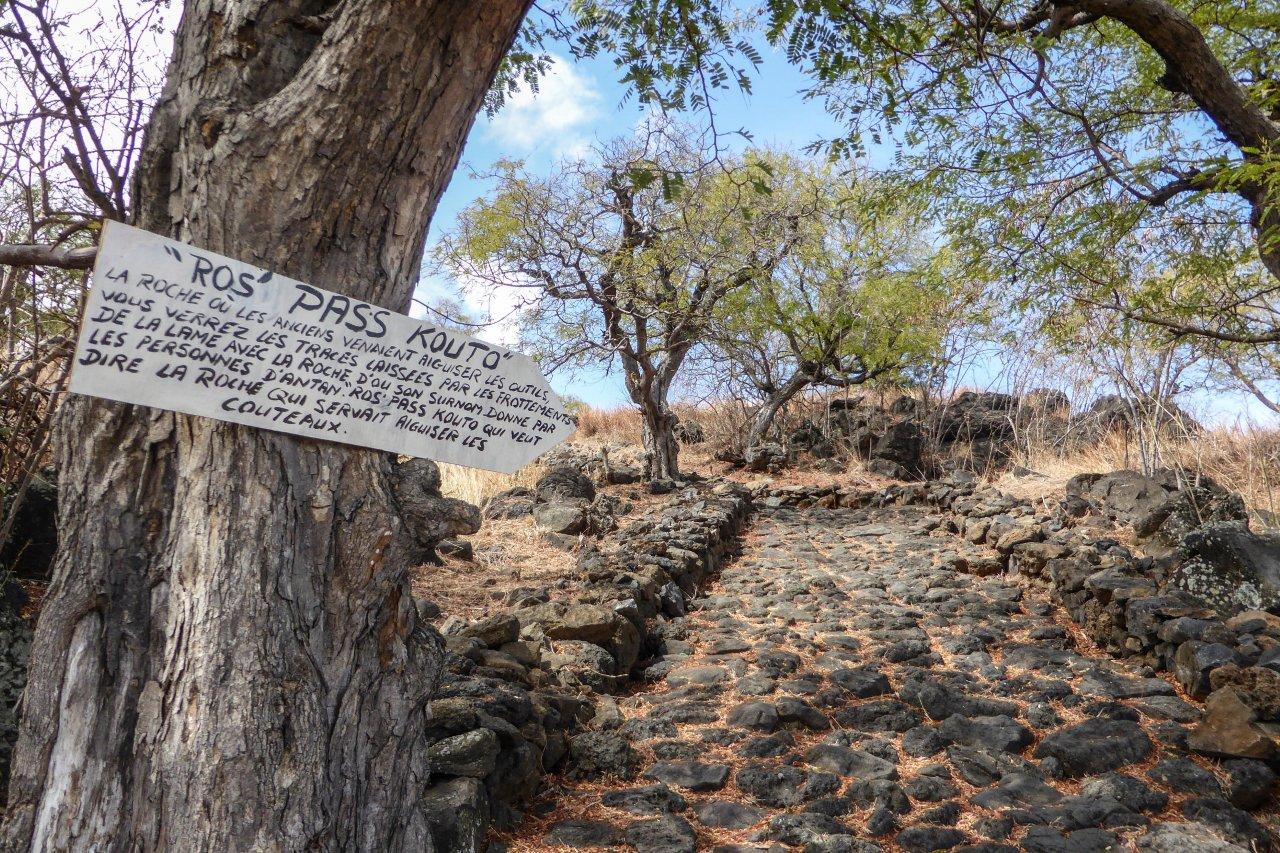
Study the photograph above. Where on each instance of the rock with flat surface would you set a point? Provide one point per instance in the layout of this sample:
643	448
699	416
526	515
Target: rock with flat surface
473	753
1095	746
1184	838
1228	729
1231	568
690	775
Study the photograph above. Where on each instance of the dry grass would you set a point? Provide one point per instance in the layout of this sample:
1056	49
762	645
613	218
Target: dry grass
1244	460
622	424
476	486
509	554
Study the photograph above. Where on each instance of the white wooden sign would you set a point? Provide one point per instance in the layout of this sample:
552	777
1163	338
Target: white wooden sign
179	328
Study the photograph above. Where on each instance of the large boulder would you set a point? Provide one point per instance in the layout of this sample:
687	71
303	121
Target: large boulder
902	444
565	483
565	517
1230	568
1125	496
1114	413
769	456
1193	506
1228	729
1166	505
808	437
976	416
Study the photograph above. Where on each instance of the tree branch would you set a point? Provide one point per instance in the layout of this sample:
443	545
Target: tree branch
1191	66
37	255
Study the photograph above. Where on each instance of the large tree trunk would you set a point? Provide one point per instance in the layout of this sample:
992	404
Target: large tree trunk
661	450
228	657
648	388
763	420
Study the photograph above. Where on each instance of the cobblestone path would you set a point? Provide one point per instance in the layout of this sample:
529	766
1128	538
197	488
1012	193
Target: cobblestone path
838	689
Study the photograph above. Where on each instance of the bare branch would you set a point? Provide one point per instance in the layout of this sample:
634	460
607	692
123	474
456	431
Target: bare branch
39	255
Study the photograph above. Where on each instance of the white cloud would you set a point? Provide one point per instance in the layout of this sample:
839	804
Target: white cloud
500	307
497	309
554	116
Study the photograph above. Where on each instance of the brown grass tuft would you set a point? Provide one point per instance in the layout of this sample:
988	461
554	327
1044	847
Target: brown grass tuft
1244	460
622	424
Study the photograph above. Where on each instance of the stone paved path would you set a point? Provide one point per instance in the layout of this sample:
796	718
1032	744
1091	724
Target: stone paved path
838	690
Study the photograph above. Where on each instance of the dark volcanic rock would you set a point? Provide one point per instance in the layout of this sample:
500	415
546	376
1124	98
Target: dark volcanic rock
772	785
1132	793
1018	789
724	814
923	839
1185	776
1002	733
690	775
513	503
597	754
583	833
1095	746
861	683
1234	823
1250	783
850	762
565	483
646	799
1047	839
667	834
804	828
1231	568
902	444
458	813
760	716
563	517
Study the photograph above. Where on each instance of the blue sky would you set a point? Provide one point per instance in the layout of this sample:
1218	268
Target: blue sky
581	103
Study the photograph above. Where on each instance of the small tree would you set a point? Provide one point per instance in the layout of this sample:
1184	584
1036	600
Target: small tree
856	298
625	257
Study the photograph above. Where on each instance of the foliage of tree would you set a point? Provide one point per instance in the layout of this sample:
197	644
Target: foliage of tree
624	257
1084	145
861	296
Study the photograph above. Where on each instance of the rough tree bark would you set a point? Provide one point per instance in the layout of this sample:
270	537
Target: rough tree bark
658	435
782	395
228	657
661	450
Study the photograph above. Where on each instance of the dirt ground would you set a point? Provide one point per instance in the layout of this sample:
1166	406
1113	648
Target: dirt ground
511	554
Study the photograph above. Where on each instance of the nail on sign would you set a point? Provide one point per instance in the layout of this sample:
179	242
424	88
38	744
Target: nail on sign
179	328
